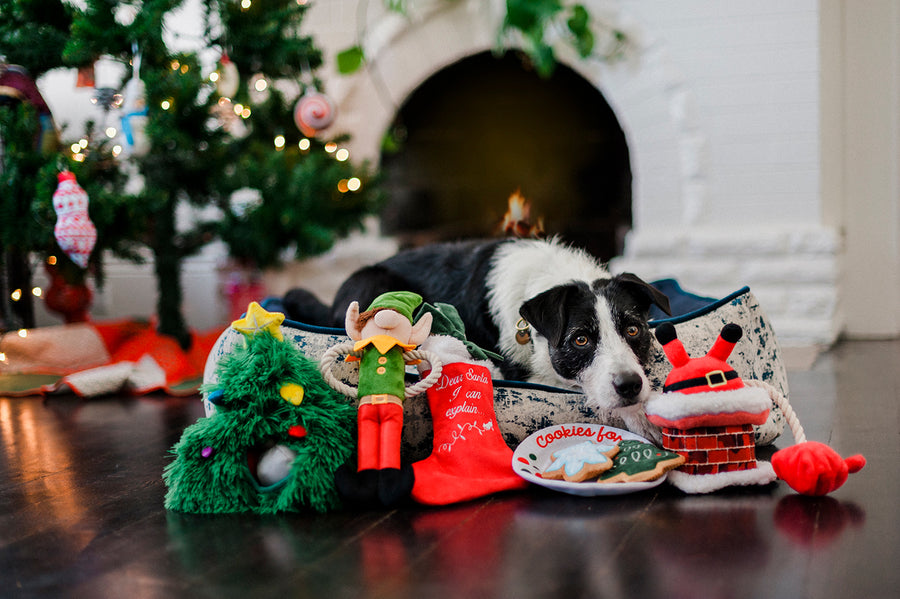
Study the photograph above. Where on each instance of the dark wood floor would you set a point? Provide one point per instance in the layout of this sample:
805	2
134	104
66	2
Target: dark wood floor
81	515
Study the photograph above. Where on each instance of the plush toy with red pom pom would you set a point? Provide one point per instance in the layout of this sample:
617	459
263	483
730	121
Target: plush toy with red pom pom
706	391
810	467
706	413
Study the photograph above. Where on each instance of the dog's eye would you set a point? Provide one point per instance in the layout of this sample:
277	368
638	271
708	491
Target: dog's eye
581	340
632	331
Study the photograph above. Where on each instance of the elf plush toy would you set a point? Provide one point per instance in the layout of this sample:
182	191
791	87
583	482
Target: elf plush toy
276	438
469	459
384	338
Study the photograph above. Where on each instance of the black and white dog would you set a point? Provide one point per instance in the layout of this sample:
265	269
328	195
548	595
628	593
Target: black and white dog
554	313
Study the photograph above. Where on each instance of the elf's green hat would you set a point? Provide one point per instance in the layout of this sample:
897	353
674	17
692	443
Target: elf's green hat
403	302
446	321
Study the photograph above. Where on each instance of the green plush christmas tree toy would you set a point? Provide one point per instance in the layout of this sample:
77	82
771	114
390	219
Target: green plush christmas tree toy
278	434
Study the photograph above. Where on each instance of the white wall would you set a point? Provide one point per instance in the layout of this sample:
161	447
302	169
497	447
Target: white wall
749	103
864	140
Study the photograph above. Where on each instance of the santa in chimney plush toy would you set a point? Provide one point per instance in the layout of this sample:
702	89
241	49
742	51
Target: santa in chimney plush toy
707	413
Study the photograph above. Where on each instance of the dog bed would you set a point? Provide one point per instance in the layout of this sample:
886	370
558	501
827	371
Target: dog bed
523	408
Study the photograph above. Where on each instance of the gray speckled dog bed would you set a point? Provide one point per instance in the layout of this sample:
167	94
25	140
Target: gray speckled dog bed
523	408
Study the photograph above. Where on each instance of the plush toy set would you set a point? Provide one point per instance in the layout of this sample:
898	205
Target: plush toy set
289	428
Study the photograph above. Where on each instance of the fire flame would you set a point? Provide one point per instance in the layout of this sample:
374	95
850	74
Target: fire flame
517	220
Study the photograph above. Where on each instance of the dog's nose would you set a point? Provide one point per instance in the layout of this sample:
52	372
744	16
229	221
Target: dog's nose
628	385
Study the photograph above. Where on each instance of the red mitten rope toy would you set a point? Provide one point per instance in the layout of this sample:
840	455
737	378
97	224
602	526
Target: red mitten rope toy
810	467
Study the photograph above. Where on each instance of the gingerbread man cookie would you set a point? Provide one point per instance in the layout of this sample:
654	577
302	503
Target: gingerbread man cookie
581	462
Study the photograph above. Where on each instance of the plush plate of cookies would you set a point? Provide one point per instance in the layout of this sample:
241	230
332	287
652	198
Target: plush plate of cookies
592	459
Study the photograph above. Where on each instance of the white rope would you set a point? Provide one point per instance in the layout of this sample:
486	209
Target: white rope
782	402
433	376
326	367
330	357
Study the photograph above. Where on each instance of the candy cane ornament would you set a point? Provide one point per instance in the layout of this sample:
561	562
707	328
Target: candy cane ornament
313	112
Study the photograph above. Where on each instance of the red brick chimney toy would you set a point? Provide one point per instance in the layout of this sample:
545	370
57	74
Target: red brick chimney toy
707	414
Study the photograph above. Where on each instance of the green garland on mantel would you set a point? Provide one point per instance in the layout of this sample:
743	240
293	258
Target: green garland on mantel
536	23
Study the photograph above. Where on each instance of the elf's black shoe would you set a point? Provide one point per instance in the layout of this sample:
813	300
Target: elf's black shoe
395	485
357	490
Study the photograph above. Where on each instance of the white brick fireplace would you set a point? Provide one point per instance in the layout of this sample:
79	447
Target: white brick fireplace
720	104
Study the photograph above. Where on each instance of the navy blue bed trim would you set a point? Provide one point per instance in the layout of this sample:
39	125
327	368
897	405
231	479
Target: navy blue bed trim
687	306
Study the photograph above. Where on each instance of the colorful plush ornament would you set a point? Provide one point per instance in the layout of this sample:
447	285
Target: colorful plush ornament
707	414
278	434
384	338
229	79
74	231
469	459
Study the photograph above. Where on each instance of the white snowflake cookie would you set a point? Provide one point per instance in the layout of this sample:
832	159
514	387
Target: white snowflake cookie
580	462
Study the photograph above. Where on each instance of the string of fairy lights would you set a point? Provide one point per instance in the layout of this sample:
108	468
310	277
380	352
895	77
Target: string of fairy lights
79	149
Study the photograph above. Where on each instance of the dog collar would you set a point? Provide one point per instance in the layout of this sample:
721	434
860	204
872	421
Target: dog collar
523	332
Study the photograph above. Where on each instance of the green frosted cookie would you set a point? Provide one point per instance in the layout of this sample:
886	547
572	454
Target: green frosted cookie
639	462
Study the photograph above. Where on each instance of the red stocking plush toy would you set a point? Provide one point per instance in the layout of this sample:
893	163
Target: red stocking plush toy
469	459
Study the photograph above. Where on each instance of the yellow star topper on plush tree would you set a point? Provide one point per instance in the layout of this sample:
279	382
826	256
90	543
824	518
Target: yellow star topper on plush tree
257	320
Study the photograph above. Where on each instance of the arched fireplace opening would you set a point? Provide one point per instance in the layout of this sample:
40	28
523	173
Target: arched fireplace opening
485	127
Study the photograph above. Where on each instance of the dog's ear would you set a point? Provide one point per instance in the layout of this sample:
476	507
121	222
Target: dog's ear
643	291
546	312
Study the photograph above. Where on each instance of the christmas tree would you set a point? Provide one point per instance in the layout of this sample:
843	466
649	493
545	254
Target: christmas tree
192	137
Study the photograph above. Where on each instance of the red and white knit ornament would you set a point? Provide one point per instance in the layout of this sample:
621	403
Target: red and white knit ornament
313	112
74	231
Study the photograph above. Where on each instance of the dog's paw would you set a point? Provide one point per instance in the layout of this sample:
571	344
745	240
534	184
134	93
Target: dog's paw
635	420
